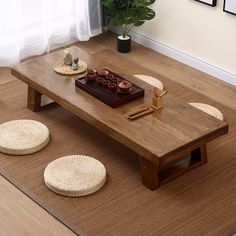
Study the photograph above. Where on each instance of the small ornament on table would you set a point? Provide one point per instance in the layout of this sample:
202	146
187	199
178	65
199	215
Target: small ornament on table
157	98
67	56
75	64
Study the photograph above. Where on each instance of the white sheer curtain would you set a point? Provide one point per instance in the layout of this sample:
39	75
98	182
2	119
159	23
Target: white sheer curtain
31	27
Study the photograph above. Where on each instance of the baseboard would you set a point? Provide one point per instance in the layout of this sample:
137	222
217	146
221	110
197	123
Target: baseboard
192	61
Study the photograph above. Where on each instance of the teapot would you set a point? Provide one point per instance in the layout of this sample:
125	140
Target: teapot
124	86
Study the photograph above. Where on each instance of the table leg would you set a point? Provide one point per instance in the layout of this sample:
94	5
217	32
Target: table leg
34	99
152	175
149	172
199	155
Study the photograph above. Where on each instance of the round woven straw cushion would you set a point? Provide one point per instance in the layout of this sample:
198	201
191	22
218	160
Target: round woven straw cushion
21	137
209	110
63	69
151	80
75	175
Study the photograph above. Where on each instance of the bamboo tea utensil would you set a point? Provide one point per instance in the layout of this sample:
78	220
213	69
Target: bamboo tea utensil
136	111
139	112
157	98
163	93
147	112
159	93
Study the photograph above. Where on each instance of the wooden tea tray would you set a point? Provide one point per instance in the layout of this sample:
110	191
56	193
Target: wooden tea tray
111	98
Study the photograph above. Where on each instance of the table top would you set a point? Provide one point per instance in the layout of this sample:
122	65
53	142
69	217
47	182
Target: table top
159	136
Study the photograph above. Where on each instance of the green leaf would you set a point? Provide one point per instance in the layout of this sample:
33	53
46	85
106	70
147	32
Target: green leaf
128	13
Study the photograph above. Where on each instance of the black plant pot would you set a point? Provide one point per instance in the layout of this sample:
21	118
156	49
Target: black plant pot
124	44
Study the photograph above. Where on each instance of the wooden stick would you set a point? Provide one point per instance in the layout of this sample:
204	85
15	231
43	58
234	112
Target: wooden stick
157	92
149	111
136	111
164	92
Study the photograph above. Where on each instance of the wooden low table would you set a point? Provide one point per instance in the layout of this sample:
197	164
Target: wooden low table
159	139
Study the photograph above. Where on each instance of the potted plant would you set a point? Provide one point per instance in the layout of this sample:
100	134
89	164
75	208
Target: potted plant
126	14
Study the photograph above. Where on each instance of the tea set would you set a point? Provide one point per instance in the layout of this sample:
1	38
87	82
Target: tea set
108	80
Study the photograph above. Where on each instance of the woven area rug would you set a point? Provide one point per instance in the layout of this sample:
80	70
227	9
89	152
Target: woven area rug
123	206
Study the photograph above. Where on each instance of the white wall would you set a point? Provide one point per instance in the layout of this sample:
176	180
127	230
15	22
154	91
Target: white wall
200	31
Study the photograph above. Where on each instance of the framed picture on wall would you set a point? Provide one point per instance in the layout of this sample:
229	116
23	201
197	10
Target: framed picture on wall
230	6
209	2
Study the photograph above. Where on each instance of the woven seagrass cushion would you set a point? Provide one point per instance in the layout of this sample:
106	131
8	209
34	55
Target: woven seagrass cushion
209	110
75	175
22	137
151	80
